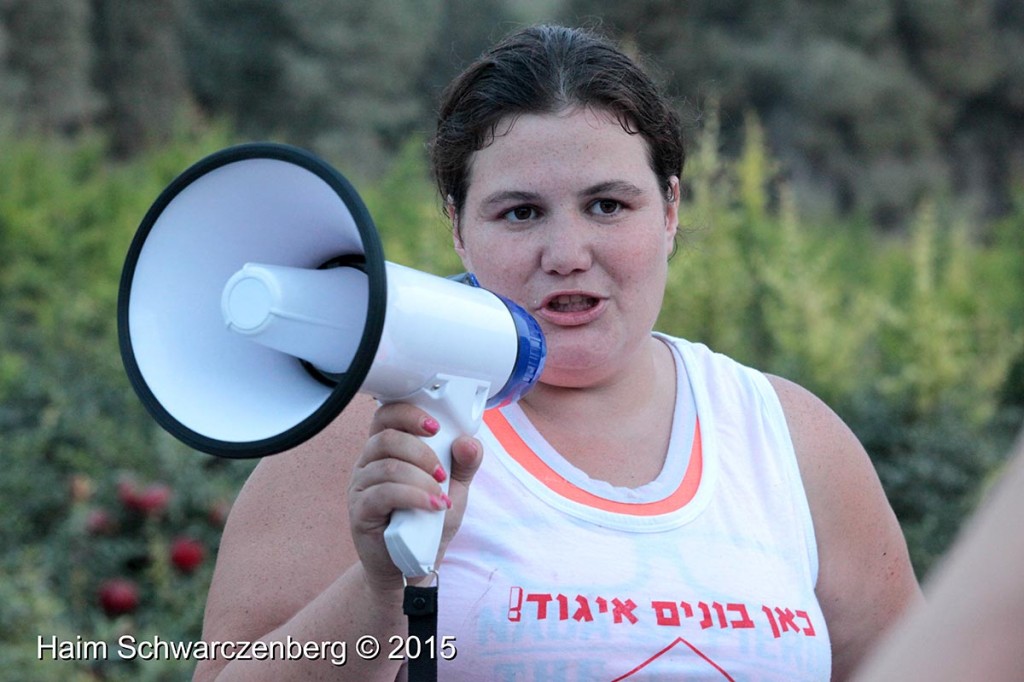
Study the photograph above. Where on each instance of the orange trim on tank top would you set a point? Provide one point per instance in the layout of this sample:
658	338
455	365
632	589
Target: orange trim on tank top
539	469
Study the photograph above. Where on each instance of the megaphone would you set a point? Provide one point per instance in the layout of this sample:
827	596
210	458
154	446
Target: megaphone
255	302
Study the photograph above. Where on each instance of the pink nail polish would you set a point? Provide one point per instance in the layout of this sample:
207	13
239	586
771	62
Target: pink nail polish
439	474
431	426
447	500
437	502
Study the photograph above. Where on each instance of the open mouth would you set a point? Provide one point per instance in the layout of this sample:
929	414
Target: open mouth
571	303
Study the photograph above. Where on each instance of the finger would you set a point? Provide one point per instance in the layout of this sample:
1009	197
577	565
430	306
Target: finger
406	447
371	510
393	470
404	417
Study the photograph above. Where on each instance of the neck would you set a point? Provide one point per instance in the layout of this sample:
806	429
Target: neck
617	430
648	378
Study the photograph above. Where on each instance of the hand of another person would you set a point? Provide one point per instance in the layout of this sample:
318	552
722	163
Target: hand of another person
398	470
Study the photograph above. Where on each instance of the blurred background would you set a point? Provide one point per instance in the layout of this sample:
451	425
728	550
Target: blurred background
853	219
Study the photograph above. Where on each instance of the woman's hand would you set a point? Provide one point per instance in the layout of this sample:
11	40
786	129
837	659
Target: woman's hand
398	470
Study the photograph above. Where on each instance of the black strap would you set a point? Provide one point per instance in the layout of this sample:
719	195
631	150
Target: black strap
420	605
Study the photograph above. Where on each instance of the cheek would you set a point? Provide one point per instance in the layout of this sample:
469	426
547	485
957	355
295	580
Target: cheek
506	279
643	261
643	278
498	268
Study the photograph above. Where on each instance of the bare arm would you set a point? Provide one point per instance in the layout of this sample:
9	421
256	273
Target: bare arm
970	629
302	557
865	579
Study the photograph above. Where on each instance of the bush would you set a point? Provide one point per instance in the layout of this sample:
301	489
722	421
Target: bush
72	426
128	558
912	339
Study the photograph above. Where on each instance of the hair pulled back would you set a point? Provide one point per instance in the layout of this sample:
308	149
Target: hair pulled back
546	69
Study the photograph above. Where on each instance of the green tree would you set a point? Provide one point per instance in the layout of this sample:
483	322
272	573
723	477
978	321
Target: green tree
140	71
871	105
337	77
231	59
47	53
468	28
8	80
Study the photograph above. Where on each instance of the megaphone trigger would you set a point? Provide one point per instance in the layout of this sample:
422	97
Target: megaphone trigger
414	535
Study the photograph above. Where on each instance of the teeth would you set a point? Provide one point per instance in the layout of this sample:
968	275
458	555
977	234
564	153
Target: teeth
572	303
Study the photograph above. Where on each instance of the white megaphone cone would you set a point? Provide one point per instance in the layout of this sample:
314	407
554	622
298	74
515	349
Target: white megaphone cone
255	302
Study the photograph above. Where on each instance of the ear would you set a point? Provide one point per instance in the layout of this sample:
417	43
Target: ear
457	241
672	211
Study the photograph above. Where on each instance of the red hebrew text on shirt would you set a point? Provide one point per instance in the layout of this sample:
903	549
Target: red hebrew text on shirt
539	606
675	616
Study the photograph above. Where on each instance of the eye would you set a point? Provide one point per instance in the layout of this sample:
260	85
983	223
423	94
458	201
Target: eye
606	207
520	214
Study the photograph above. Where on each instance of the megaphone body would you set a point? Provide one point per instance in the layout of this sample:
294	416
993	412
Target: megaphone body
445	347
255	302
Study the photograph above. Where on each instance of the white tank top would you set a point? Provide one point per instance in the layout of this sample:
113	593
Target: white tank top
705	573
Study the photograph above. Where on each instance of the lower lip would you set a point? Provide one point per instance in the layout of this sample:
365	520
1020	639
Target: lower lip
574	318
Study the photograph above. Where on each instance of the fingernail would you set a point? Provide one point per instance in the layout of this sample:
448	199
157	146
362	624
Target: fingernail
438	503
431	426
447	500
439	474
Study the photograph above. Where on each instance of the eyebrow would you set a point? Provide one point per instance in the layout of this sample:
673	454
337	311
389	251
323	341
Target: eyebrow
613	187
610	186
506	196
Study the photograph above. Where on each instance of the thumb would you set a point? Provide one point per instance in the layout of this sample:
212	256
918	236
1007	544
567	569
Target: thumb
467	455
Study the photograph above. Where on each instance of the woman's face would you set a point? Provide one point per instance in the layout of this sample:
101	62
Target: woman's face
565	216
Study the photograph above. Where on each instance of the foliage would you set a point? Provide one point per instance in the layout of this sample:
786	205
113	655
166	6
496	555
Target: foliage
71	426
873	105
66	220
47	50
138	50
408	215
114	529
898	335
336	77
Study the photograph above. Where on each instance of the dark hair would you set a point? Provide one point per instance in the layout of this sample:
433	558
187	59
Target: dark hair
544	69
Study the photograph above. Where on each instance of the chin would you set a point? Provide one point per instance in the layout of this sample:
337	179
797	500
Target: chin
578	374
584	364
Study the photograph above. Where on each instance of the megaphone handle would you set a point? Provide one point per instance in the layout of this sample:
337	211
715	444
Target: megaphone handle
413	536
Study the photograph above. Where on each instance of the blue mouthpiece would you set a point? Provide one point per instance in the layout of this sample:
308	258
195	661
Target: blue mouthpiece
531	352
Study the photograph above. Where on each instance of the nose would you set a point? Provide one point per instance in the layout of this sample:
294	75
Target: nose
567	247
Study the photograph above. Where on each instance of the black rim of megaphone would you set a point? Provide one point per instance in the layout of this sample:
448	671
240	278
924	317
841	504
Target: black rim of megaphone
374	266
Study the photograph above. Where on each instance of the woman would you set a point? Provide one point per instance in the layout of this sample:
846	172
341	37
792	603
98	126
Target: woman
650	510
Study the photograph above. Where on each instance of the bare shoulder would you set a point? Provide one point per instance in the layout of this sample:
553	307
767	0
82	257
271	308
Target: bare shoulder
824	444
865	579
287	537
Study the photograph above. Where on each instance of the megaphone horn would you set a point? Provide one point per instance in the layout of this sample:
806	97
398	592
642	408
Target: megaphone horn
255	302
